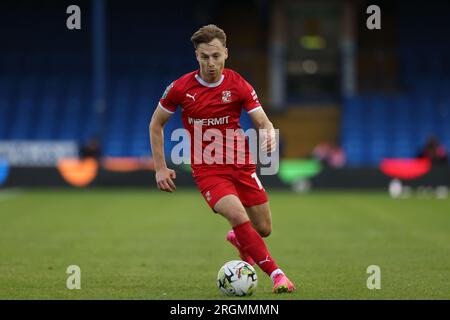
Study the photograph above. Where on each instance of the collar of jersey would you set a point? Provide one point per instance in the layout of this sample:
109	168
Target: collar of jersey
207	84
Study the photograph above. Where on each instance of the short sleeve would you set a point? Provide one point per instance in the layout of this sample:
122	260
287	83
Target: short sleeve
169	100
251	100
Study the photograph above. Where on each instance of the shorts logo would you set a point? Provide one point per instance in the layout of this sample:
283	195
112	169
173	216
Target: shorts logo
208	196
226	96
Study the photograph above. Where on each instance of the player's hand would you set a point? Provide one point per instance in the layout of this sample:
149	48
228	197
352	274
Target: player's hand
164	180
268	141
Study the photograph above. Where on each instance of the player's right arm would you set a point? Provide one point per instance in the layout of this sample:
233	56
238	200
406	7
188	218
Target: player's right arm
166	107
164	175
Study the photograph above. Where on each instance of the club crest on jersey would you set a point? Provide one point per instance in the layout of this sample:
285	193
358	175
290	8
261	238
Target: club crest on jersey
226	96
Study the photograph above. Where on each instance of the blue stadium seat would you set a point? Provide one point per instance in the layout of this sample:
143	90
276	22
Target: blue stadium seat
375	127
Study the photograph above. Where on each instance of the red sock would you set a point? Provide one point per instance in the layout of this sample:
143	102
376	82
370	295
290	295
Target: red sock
252	243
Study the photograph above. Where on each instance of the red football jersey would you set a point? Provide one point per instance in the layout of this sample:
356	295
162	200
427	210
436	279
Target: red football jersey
213	108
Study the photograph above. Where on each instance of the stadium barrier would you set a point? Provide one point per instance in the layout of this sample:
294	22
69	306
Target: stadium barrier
328	178
81	173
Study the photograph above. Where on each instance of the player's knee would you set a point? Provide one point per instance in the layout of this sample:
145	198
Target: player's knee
265	230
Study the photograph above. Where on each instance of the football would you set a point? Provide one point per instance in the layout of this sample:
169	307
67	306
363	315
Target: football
237	278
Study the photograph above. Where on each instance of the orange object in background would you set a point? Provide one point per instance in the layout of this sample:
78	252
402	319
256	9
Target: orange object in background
127	164
405	168
78	173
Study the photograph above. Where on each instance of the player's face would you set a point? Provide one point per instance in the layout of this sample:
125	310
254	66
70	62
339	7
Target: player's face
211	58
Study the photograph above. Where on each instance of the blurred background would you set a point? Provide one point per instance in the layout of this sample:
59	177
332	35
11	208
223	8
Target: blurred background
355	107
363	114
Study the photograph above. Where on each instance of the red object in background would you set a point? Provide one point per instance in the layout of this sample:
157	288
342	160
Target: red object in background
405	168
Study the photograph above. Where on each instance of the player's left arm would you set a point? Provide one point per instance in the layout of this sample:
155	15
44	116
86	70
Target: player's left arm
265	129
262	123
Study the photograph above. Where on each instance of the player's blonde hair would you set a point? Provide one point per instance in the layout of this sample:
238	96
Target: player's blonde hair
208	33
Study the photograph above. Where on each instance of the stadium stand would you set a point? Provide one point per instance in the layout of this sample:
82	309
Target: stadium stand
46	89
46	86
377	126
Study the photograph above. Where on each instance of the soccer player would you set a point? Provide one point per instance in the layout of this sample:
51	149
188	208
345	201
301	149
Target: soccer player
213	98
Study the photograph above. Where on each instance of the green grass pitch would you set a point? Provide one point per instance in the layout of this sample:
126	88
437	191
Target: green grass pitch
140	244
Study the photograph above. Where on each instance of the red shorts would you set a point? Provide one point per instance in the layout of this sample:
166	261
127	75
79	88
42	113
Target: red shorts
243	183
